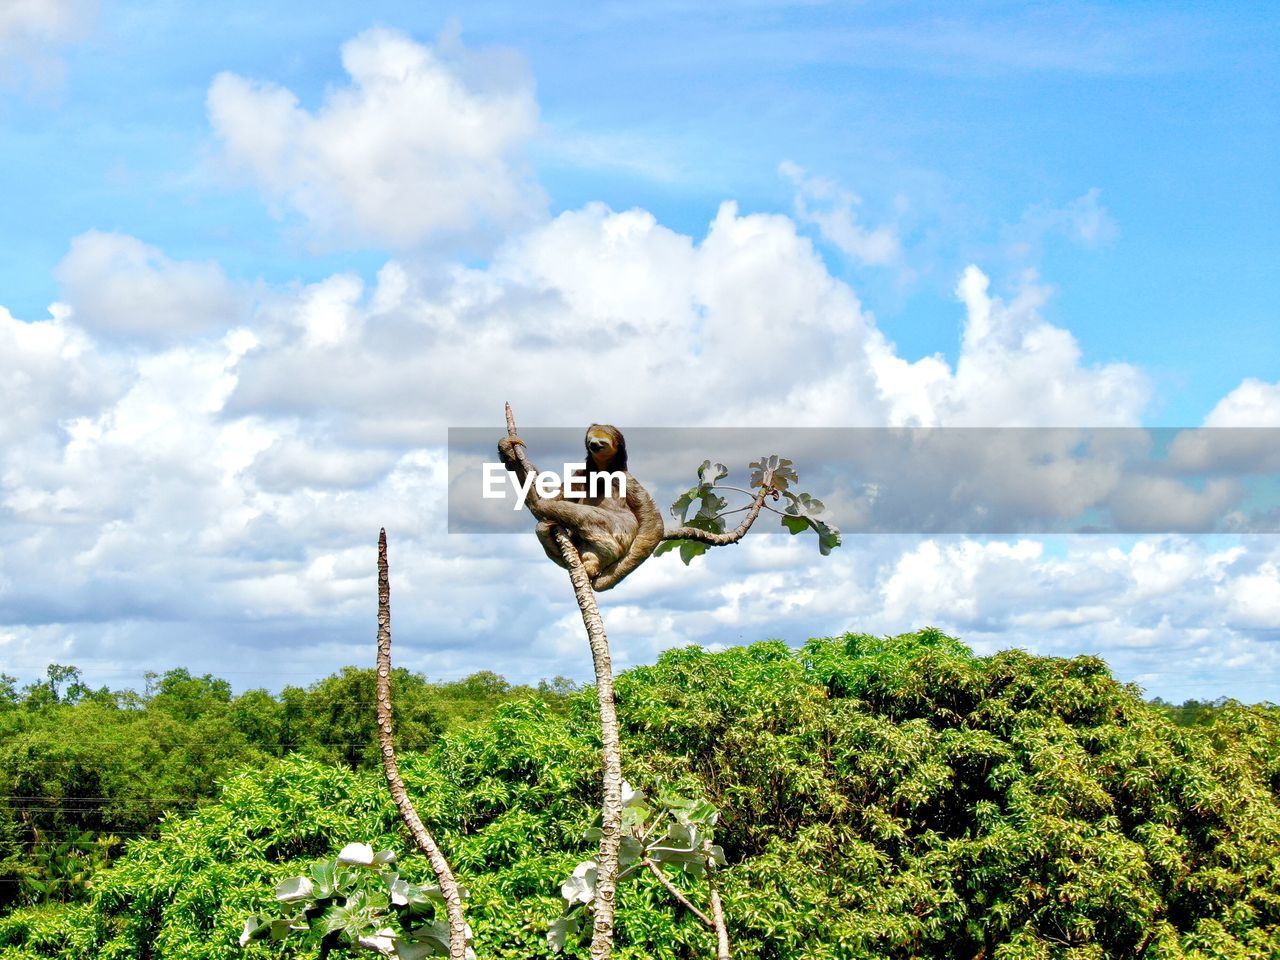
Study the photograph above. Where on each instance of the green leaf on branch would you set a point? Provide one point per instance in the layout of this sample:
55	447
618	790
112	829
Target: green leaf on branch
688	549
569	925
710	503
773	471
581	886
712	473
358	854
324	878
295	889
282	927
803	513
255	928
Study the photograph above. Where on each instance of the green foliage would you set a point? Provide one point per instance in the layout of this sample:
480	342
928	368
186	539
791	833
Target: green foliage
62	867
671	832
358	900
771	477
1198	713
81	770
885	798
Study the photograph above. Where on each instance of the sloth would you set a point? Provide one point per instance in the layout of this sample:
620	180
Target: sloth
613	534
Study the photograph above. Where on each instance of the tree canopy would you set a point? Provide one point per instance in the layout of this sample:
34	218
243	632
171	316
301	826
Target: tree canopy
879	797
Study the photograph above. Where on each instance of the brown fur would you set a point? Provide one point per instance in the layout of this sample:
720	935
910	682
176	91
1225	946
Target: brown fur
613	535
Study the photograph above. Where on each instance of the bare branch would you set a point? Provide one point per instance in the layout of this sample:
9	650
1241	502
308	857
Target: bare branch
675	892
722	539
444	876
611	806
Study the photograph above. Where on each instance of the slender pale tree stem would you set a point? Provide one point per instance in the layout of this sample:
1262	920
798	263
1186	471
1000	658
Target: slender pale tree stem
611	806
444	876
675	892
717	908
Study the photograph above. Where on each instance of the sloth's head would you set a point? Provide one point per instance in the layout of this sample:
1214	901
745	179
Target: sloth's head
606	449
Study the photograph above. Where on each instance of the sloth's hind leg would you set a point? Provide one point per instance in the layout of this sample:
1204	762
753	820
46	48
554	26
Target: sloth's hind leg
546	537
591	561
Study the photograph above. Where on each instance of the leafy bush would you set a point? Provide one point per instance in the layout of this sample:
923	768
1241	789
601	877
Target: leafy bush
887	798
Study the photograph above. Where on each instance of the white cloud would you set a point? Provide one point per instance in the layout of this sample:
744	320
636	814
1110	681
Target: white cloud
744	326
424	140
119	286
1254	599
206	467
239	479
49	371
1239	435
1014	369
1083	221
832	210
1254	403
31	31
1159	503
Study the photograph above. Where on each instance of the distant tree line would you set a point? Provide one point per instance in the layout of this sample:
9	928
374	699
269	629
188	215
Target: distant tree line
83	769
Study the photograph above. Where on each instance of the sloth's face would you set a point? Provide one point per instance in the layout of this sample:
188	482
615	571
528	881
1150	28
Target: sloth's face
602	444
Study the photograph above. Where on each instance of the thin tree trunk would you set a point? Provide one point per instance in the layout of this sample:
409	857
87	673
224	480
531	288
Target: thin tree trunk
717	908
444	876
611	806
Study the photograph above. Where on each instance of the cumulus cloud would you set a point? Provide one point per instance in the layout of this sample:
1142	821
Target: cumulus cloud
206	467
424	140
119	286
743	326
1240	434
237	477
1014	369
832	210
1254	403
49	371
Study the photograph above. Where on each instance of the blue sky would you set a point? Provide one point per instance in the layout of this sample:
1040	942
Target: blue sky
1108	169
974	116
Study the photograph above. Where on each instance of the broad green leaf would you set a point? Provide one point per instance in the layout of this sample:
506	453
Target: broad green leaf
692	548
282	927
325	879
581	886
255	928
629	850
294	889
418	949
631	796
772	471
712	473
796	524
803	505
382	940
360	854
828	536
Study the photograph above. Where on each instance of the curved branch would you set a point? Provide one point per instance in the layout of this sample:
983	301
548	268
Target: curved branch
444	876
722	539
611	806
